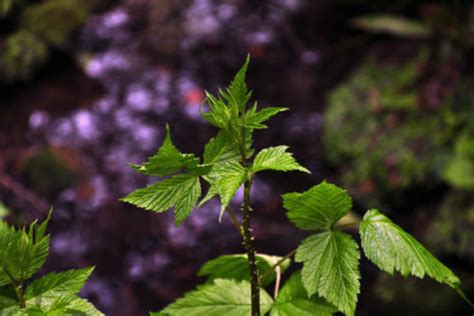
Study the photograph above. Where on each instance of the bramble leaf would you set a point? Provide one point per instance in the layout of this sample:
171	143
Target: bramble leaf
293	300
167	161
389	247
230	177
223	297
276	158
254	119
237	94
57	284
236	267
22	254
331	268
181	192
318	208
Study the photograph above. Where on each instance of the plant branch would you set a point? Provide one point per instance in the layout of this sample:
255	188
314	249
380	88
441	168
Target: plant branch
277	264
235	221
354	224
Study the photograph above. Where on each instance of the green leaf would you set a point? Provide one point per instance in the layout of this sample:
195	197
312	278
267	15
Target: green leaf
236	267
254	119
331	268
224	297
167	161
20	255
53	285
318	208
219	114
389	247
82	307
221	149
238	94
392	24
276	158
293	300
230	177
181	192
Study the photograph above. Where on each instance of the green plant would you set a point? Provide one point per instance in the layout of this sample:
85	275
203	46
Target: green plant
22	253
329	280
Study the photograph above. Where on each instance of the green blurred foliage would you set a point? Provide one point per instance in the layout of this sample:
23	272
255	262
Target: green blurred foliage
39	28
383	140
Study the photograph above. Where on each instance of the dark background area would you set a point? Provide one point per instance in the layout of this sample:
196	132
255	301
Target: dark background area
87	86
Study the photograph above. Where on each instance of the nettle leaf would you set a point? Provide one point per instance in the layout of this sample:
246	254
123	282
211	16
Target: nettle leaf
331	268
167	161
254	119
236	267
223	297
276	158
389	247
318	208
22	254
293	300
181	192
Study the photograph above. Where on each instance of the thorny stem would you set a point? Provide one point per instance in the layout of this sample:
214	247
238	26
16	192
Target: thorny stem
250	249
277	265
247	234
18	286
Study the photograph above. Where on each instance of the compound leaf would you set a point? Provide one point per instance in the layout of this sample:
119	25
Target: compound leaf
389	247
223	297
230	176
181	192
318	208
276	158
331	268
293	300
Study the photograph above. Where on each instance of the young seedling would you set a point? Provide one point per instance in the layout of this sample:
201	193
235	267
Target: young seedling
329	280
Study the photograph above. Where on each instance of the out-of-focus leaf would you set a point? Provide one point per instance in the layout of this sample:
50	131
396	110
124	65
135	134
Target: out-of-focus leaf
392	24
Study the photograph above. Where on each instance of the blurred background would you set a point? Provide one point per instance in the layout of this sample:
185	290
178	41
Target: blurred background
381	98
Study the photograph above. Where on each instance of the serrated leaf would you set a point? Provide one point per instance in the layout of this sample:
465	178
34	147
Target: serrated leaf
20	255
223	297
236	267
221	149
389	247
181	192
230	176
331	268
219	114
167	161
254	119
57	284
318	208
293	300
276	158
80	306
237	94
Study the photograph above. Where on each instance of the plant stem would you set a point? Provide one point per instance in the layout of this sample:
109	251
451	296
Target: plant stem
18	286
235	221
250	249
277	264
